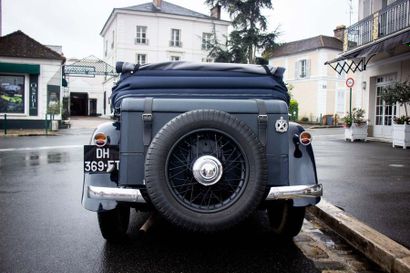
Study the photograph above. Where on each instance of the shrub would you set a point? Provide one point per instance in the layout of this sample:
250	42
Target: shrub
304	119
357	117
293	110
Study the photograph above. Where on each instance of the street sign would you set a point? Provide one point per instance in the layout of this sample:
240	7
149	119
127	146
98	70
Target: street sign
79	70
349	82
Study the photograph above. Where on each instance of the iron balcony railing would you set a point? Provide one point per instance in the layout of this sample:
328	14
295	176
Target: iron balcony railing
389	20
394	18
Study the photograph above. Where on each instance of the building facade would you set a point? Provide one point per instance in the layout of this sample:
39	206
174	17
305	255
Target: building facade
160	31
30	82
85	84
376	53
317	88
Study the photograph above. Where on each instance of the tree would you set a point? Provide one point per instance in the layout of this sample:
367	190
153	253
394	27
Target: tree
249	34
399	92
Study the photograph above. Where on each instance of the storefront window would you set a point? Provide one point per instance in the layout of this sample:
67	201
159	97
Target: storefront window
11	94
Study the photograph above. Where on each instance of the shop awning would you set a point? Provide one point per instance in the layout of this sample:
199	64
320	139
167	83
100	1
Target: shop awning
20	68
357	59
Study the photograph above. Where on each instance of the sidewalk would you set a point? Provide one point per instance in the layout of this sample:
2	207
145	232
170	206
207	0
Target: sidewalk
75	123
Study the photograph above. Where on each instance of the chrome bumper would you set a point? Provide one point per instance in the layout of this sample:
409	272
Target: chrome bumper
117	194
292	192
134	195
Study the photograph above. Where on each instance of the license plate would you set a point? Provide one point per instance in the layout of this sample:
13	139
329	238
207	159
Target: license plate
101	160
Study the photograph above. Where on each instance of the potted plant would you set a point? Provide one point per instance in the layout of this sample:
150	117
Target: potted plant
355	125
399	93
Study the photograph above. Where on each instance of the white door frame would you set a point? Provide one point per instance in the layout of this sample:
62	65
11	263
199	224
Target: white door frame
384	113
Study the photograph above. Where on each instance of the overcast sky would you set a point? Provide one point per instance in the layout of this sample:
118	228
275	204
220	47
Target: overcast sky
76	24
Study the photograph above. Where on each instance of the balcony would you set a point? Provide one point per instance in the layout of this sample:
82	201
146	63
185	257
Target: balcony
177	43
383	23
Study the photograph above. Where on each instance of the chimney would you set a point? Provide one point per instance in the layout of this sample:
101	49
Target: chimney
339	32
216	12
157	3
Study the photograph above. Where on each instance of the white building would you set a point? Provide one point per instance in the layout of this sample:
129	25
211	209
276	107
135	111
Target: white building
30	82
160	31
85	84
317	88
376	53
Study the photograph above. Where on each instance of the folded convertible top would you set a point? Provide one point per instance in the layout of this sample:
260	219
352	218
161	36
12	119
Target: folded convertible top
198	80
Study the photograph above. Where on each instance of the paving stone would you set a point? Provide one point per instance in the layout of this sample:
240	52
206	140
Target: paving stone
313	251
329	265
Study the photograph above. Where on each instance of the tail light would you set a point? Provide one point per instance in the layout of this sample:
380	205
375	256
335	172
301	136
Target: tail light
100	139
305	138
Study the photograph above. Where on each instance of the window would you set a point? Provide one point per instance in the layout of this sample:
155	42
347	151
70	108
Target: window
206	41
384	112
302	69
113	38
141	58
11	94
175	38
141	35
340	101
175	58
207	60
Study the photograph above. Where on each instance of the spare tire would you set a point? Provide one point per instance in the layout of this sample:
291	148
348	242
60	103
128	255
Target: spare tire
205	170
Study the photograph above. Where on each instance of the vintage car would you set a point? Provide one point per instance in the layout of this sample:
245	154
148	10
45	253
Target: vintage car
202	145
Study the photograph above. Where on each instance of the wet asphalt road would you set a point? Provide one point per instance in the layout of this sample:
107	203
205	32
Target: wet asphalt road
370	181
45	229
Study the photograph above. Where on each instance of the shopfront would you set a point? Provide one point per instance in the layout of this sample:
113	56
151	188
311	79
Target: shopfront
30	82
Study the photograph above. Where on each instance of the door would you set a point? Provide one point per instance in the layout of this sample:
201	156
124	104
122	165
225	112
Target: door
384	112
93	107
79	104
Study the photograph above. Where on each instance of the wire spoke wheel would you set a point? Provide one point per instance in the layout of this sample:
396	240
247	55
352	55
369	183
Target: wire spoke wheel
213	195
205	170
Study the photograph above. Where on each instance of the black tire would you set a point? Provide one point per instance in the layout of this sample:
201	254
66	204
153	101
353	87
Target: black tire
114	223
241	188
286	220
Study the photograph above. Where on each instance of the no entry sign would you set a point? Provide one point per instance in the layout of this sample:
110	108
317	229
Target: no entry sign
349	82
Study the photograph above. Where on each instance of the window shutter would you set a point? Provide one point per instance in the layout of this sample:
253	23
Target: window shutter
307	68
297	70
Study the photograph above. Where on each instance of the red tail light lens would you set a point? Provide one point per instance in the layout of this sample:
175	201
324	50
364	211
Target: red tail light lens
100	139
305	138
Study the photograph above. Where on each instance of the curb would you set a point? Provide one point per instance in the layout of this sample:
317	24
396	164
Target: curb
382	250
28	134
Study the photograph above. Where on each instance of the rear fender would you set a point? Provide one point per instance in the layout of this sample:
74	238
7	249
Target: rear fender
302	166
112	130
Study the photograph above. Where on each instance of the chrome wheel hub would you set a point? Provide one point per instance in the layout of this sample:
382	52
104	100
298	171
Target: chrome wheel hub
207	170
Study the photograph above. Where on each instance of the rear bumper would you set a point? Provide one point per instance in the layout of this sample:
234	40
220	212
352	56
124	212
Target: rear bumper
292	192
135	196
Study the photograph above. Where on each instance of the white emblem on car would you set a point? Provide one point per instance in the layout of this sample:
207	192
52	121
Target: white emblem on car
281	125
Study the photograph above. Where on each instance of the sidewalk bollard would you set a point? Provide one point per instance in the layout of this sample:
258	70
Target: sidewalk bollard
46	125
5	124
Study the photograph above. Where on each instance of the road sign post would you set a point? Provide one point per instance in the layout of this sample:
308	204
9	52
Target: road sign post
350	84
